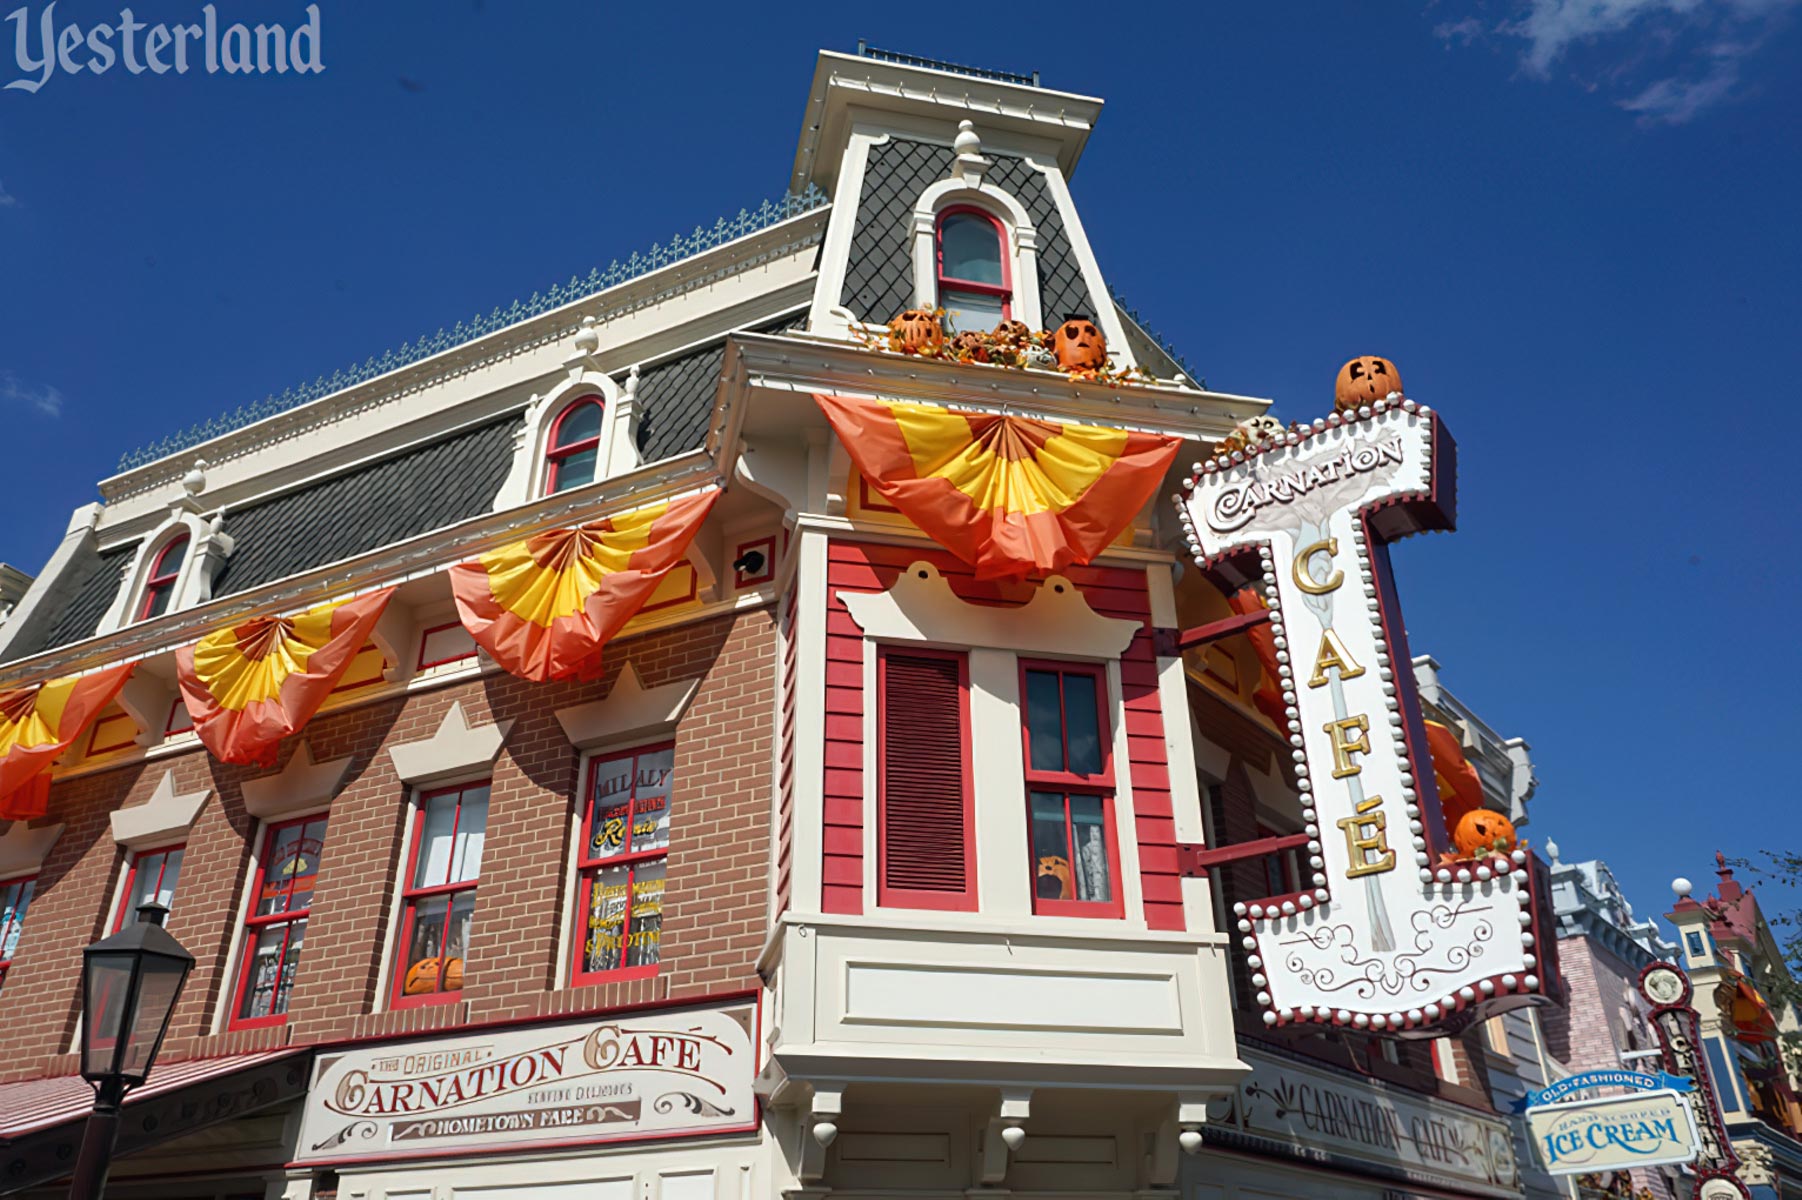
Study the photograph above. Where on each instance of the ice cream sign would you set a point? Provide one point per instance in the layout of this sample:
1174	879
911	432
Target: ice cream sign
1393	934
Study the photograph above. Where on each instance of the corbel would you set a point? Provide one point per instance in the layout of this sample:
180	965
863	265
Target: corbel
1006	1133
211	549
823	1113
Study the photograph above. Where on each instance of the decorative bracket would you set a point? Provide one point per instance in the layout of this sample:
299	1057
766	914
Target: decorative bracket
1006	1133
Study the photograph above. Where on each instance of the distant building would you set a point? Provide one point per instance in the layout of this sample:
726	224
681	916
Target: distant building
1738	970
1603	948
1509	1049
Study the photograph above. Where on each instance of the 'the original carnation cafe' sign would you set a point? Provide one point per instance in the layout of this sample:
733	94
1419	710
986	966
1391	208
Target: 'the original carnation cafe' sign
649	1075
1648	1130
1322	1115
1386	936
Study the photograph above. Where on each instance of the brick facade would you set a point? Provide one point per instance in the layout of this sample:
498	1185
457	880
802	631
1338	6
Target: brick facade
715	904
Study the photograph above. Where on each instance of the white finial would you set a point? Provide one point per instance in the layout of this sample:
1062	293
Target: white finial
632	381
588	339
194	482
1551	849
966	141
1682	887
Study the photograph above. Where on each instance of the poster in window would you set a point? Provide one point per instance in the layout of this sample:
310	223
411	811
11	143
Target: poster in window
631	810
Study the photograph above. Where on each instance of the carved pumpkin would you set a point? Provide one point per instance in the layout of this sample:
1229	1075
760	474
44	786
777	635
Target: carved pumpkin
1482	831
422	977
1364	381
968	347
1053	882
916	331
1079	344
1013	333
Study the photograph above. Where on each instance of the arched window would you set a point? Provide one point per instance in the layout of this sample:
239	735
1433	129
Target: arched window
159	587
974	285
575	446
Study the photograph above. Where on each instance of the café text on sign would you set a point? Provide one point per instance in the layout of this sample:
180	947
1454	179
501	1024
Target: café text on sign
654	1074
1388	935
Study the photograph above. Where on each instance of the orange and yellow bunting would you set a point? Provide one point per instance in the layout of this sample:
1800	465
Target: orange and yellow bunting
543	608
37	723
251	685
1007	494
1460	789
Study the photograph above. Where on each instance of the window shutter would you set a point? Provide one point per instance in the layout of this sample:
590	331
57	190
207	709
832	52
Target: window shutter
926	853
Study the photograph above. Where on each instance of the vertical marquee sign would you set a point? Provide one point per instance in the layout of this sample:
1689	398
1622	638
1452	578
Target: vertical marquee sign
1392	936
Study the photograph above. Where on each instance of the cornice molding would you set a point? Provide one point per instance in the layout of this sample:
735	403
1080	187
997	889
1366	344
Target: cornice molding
802	364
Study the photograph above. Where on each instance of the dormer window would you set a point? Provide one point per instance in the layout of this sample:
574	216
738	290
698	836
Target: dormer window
574	447
159	587
974	285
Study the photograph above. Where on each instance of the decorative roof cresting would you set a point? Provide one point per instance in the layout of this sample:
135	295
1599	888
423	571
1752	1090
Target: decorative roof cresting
579	287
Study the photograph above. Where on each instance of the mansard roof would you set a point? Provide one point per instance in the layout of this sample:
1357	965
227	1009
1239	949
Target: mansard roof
88	588
879	278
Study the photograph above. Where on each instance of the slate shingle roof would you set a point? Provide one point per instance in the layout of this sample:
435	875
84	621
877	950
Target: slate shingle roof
676	395
426	488
879	277
89	586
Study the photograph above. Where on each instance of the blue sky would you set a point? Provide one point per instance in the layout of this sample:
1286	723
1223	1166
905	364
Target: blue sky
1572	223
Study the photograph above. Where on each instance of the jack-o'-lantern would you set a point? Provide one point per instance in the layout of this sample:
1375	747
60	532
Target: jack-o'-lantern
1053	881
1250	432
1079	344
916	331
1012	333
453	975
1482	831
968	347
1365	380
422	977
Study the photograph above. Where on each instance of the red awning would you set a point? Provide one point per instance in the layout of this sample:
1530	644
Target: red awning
34	1104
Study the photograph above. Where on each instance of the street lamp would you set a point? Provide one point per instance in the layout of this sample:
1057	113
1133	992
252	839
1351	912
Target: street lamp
129	985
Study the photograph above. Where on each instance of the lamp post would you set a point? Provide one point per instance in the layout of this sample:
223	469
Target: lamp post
129	985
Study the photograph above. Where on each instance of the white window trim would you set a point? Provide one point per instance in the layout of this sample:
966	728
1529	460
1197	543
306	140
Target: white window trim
192	586
617	453
24	849
1022	242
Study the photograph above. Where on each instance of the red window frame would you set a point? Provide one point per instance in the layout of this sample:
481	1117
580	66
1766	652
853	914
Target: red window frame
555	451
1070	783
255	923
412	894
131	878
899	897
589	867
1005	290
160	583
10	927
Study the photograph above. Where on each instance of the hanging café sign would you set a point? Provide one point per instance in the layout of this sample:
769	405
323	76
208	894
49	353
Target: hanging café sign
1397	932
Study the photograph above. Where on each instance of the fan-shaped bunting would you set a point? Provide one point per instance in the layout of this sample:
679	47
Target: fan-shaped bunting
37	723
1460	790
249	686
1007	494
543	608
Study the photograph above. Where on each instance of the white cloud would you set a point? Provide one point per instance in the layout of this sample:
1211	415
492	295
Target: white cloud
46	400
7	199
1672	58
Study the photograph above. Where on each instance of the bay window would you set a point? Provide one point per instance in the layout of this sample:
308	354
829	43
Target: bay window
1070	792
281	897
622	857
438	896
